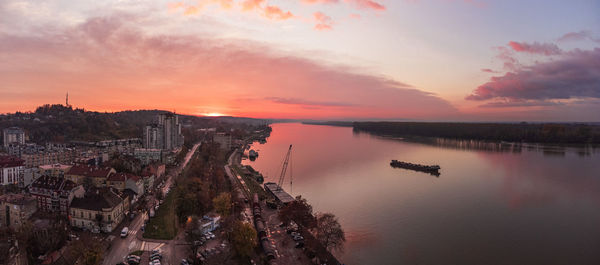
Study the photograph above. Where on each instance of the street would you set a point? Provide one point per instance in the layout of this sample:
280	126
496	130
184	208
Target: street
121	247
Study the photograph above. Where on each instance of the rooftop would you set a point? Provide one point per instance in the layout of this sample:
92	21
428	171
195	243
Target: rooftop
53	183
19	199
97	200
10	161
89	171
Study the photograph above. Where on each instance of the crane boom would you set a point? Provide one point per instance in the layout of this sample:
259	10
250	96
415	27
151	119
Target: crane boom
284	167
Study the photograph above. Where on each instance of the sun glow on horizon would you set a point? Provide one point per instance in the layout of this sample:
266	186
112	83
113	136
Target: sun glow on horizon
213	114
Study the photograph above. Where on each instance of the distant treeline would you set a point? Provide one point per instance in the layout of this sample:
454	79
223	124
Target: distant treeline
560	133
59	123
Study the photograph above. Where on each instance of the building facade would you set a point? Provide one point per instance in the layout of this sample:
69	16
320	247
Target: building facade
15	209
165	134
101	209
147	156
13	135
54	194
11	170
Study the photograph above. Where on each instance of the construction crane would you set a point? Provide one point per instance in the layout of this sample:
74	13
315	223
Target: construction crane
286	161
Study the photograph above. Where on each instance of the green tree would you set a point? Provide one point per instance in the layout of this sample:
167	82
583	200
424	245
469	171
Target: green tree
222	203
329	232
243	239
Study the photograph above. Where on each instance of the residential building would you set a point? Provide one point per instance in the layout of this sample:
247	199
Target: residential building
117	181
47	157
153	137
29	176
223	139
55	170
54	194
101	209
209	223
135	183
165	134
147	156
11	170
98	175
148	179
15	209
13	135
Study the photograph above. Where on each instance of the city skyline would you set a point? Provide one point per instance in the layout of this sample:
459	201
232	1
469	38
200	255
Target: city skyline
307	59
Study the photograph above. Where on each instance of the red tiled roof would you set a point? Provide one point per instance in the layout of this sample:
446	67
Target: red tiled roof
89	171
135	178
117	177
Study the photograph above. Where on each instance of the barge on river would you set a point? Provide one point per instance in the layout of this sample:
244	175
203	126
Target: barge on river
433	170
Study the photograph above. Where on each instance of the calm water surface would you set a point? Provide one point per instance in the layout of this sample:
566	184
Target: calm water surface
524	206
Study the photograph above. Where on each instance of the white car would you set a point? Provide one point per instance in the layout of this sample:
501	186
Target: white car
124	232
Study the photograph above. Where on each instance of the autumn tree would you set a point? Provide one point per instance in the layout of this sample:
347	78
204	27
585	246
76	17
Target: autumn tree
298	211
243	239
222	204
329	232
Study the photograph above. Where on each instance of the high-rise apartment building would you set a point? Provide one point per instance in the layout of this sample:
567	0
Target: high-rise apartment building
165	134
13	135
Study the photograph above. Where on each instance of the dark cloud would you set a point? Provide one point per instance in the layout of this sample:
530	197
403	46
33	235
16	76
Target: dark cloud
574	74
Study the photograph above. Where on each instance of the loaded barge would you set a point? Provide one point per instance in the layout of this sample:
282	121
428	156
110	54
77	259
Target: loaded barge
433	170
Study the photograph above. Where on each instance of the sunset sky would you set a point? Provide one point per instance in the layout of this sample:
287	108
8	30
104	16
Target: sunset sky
463	60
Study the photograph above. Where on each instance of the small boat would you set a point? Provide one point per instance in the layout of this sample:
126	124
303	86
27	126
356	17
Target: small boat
433	170
252	154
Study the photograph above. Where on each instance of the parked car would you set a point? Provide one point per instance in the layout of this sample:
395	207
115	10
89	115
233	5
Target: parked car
124	232
185	262
299	244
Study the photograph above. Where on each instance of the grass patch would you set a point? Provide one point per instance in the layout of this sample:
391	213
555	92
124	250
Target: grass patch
164	224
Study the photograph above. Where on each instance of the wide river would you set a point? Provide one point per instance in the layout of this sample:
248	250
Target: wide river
527	205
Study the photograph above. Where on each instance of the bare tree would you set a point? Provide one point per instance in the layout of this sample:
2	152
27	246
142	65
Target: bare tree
329	232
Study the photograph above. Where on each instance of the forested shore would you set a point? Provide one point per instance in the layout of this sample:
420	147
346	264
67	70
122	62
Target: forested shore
549	133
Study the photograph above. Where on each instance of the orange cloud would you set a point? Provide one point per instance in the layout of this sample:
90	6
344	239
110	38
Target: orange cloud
274	12
251	4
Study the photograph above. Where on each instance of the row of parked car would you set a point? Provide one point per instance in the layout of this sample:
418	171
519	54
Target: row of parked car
296	237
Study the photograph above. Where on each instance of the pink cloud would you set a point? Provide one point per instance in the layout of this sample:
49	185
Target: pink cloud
109	64
579	36
324	22
367	4
320	1
535	48
487	70
355	16
274	12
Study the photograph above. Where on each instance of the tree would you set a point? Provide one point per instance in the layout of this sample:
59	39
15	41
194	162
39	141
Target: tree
329	232
222	203
90	251
99	221
88	183
243	239
298	211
